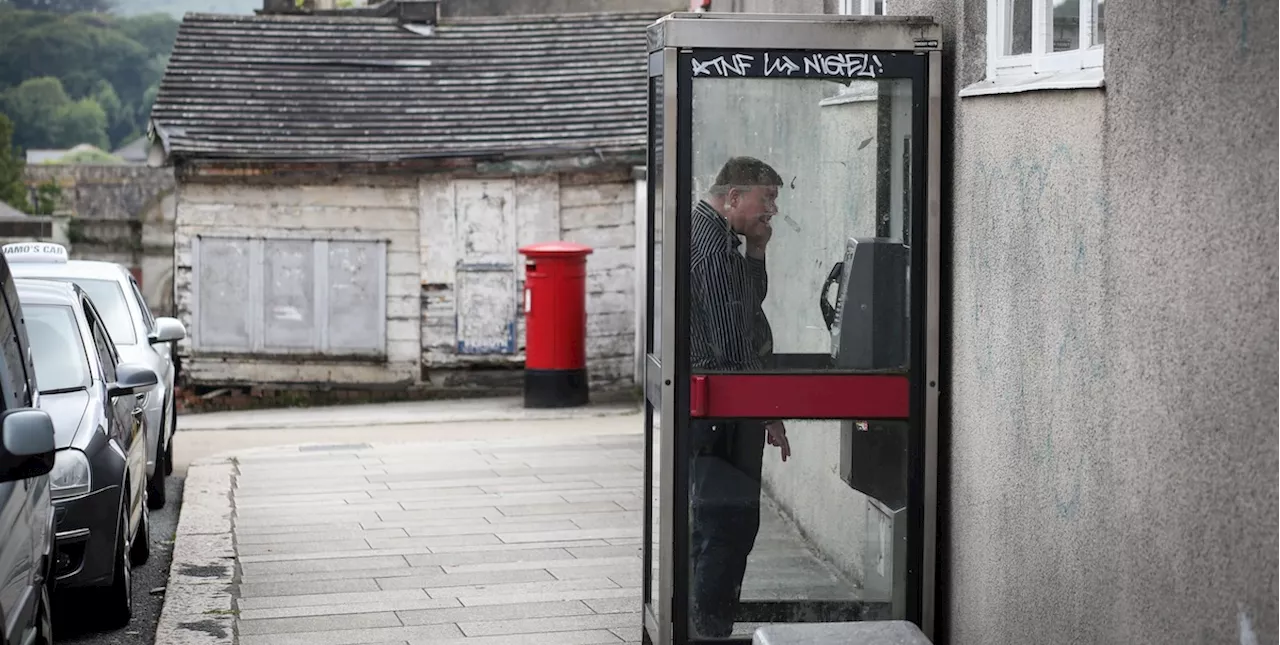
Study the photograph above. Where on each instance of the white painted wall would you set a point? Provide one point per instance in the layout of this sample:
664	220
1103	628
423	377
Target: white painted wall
454	272
345	210
596	209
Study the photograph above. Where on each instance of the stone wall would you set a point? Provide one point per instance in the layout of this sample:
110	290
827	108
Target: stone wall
120	214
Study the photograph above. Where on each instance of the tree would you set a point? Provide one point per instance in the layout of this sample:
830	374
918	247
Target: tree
12	191
120	117
83	121
30	106
64	6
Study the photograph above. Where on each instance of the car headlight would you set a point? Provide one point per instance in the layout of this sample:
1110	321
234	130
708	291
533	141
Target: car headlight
70	474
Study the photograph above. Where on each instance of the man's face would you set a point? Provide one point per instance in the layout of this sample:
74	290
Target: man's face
752	207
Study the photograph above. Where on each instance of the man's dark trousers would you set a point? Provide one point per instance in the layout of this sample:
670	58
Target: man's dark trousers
724	491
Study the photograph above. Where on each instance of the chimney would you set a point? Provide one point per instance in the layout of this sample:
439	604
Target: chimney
420	12
288	6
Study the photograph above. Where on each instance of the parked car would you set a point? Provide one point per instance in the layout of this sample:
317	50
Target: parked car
99	477
26	458
138	336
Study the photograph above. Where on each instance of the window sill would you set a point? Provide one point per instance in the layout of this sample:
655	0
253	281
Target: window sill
1066	80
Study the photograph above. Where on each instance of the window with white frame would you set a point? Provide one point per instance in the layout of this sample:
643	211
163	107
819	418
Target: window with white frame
1031	38
289	296
862	7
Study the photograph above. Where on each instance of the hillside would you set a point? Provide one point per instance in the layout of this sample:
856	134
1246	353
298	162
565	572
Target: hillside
177	8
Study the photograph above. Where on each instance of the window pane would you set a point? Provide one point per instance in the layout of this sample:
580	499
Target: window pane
656	204
357	296
109	300
1066	25
1019	16
288	293
1099	25
224	308
56	348
801	207
816	174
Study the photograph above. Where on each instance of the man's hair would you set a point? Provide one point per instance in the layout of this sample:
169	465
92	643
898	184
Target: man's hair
744	171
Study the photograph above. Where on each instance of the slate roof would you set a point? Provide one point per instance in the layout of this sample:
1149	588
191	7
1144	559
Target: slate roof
345	88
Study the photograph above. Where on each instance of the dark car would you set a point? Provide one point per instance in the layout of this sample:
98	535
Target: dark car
26	457
99	480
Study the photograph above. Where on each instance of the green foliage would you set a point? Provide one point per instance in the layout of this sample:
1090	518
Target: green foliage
87	155
108	69
12	191
83	121
48	196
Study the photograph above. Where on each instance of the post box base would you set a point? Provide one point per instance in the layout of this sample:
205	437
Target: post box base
555	388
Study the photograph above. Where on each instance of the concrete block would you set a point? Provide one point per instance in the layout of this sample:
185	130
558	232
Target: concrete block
305	587
512	611
317	623
424	633
524	626
336	598
195	615
465	579
401	604
545	596
332	564
893	632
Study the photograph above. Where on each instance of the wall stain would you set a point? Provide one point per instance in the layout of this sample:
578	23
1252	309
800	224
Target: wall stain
1035	308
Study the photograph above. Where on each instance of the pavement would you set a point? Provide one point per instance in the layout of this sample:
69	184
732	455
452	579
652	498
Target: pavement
474	524
445	523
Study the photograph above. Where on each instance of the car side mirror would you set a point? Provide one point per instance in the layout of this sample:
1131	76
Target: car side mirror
167	330
26	444
131	379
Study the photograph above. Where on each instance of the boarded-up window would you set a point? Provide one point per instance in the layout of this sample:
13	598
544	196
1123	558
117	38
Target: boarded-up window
296	296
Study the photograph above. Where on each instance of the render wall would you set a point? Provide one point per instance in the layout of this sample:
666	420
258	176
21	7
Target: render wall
454	276
365	209
473	275
1113	445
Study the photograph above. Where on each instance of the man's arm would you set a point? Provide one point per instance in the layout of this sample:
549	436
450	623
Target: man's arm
725	312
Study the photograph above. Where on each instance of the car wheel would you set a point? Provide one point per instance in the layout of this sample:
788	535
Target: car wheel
44	618
155	483
140	549
116	605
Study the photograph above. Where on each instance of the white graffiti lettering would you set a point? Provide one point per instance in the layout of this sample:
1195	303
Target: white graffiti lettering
846	65
738	64
779	65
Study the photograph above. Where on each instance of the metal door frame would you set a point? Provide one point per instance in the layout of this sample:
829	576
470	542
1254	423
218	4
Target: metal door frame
667	381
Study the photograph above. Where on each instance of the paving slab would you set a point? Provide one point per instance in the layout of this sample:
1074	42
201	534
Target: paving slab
530	540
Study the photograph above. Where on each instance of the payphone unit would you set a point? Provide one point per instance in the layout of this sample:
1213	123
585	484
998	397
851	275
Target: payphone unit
828	127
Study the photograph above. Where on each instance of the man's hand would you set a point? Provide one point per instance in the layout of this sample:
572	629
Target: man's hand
777	436
759	239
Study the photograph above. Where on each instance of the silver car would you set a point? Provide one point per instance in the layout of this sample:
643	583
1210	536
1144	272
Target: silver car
139	337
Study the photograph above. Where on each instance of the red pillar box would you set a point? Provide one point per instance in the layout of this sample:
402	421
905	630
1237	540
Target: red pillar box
555	312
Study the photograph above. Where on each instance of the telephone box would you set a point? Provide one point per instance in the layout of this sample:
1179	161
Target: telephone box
791	368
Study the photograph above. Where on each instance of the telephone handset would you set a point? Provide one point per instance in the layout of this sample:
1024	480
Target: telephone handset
869	319
828	309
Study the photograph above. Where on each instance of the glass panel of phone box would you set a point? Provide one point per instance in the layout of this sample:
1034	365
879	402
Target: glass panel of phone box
800	236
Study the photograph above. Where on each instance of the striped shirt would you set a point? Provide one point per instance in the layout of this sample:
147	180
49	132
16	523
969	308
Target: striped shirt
728	328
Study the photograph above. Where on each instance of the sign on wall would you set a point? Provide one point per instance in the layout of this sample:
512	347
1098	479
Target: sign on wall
283	295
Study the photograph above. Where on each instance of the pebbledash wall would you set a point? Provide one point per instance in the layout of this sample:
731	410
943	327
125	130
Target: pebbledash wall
386	281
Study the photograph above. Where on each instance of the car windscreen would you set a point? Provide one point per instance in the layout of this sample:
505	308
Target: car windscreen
109	300
56	348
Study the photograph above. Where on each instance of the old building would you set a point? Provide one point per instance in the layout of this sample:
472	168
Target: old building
1108	432
353	188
